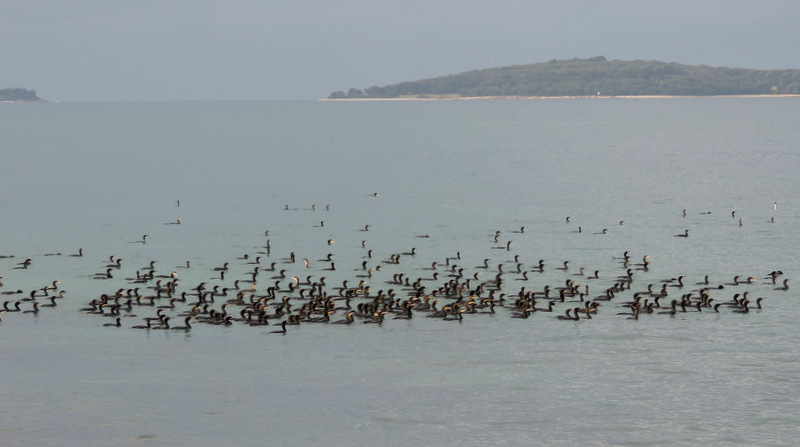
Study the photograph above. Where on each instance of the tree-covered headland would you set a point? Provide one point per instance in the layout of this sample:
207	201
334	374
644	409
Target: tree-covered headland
591	77
18	94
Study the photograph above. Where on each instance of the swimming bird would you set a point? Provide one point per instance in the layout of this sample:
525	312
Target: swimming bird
349	317
567	315
685	234
35	309
413	252
773	275
282	330
743	307
164	320
504	247
673	308
185	327
118	323
524	313
53	286
144	326
106	275
644	264
52	302
15	309
549	307
737	281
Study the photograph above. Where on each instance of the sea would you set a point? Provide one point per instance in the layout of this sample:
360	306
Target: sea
464	212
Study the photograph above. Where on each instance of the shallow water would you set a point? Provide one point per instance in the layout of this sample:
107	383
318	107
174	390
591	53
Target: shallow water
99	176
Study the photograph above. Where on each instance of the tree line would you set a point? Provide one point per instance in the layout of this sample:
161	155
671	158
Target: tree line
18	94
594	76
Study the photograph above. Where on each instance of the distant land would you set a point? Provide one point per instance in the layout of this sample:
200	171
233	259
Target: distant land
590	77
19	95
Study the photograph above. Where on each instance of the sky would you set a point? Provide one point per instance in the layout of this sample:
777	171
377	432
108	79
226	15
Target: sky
179	50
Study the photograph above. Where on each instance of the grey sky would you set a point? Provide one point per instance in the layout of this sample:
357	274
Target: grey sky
107	50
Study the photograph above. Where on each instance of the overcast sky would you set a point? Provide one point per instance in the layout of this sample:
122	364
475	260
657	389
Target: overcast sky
111	50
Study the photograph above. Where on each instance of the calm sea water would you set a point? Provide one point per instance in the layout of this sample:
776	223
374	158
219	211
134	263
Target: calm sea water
98	177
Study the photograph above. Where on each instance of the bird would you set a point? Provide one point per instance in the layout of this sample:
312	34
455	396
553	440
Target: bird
185	327
35	309
567	315
282	330
143	326
118	323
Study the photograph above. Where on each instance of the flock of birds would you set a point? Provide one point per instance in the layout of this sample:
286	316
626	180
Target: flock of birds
260	289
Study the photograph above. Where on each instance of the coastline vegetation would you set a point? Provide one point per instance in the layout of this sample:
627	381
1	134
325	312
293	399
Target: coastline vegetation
18	95
590	77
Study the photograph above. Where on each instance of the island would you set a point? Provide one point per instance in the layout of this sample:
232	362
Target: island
19	95
590	77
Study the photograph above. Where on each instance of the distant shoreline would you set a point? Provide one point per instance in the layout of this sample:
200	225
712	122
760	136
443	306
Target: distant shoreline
472	98
595	77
